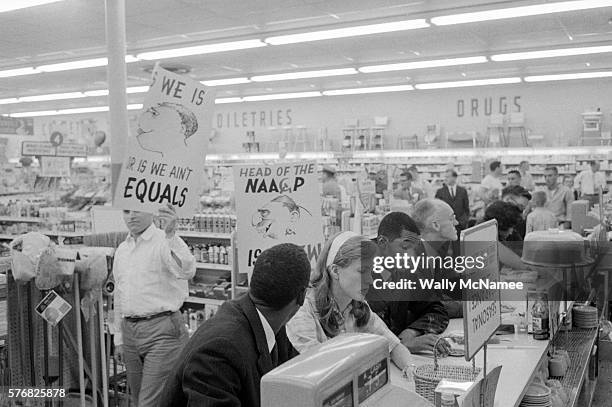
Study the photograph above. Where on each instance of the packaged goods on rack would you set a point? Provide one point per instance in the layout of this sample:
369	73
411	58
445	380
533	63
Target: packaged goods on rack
211	253
209	223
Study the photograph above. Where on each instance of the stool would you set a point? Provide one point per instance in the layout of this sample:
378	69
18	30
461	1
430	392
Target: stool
288	137
404	143
517	122
300	137
495	131
378	132
349	133
363	138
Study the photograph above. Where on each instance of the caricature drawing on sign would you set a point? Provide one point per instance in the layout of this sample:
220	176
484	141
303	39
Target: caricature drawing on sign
278	218
165	127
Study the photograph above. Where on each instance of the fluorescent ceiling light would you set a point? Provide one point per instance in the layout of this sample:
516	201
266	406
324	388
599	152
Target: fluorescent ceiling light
228	81
568	76
101	92
461	84
8	101
53	96
377	89
201	49
347	32
280	96
18	72
66	66
137	89
524	11
131	58
551	53
220	101
423	64
75	110
10	5
303	75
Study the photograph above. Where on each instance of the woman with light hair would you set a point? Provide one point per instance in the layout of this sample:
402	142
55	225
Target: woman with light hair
335	302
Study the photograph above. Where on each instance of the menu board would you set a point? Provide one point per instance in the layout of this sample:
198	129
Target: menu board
481	307
343	397
372	380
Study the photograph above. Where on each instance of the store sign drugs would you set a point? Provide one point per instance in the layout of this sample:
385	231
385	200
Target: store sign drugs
165	159
481	307
277	204
477	107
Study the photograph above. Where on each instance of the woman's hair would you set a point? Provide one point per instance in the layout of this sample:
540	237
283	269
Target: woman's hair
355	248
507	215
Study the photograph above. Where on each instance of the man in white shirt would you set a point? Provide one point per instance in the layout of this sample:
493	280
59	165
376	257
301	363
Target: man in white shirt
151	269
589	181
526	178
491	185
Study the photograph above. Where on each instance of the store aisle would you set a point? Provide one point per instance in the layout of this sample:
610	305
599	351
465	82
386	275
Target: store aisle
603	392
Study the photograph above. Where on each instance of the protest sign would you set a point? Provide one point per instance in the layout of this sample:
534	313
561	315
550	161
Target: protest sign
165	159
277	204
481	307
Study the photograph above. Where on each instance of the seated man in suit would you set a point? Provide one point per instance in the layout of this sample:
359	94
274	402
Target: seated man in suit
223	363
457	198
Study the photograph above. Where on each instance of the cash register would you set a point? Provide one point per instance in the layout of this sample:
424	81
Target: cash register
347	371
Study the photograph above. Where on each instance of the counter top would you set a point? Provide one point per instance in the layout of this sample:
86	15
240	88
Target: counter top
519	355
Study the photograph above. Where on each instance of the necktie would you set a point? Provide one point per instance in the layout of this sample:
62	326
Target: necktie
452	191
274	355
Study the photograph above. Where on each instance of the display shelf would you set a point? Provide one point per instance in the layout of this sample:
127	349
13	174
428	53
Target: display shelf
579	344
213	266
203	235
18	219
205	301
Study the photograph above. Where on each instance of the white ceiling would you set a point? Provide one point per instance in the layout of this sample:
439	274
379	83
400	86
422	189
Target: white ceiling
75	29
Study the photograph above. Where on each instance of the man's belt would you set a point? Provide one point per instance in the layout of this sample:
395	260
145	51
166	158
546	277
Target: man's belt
148	317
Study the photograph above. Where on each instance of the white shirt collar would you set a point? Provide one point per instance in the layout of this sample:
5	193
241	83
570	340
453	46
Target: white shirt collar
270	337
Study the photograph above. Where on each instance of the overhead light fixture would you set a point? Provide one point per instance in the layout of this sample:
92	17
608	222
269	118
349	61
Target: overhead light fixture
228	81
304	75
280	96
551	53
75	110
523	11
424	64
220	101
18	72
461	84
8	101
66	66
137	89
10	5
53	96
377	89
201	49
354	31
93	93
569	76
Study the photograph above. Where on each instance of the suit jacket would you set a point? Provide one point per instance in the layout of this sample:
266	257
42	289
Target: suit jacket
224	361
460	203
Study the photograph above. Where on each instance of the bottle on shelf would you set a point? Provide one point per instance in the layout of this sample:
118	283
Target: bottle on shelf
540	315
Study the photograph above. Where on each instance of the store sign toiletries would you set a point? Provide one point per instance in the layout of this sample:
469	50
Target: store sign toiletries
277	204
165	159
254	118
481	307
488	105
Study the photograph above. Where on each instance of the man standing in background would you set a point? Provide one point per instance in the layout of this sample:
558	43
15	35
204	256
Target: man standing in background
421	183
330	184
514	179
589	182
151	269
457	198
558	197
406	190
526	178
491	184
